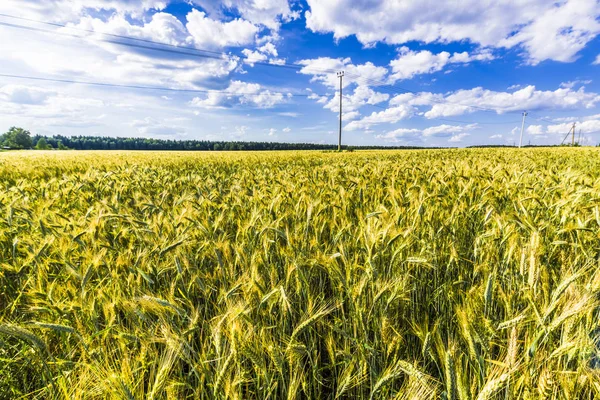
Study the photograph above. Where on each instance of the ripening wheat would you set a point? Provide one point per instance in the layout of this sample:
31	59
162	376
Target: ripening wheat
456	274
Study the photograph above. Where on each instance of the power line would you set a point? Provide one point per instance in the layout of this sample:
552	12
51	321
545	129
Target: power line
211	53
108	34
31	28
196	91
158	88
542	119
388	88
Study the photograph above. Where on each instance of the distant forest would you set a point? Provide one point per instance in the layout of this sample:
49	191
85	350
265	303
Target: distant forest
18	138
117	143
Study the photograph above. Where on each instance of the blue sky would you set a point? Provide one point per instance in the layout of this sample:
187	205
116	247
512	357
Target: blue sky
417	72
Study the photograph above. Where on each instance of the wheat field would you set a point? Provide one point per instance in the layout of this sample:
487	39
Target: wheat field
450	274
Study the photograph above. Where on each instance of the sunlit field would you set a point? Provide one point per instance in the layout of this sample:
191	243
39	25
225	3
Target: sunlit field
454	274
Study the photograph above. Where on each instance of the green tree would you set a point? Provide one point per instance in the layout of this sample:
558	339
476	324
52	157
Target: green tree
17	138
61	146
42	144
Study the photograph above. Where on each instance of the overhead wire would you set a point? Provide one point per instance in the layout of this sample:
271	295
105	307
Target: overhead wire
157	88
210	53
391	89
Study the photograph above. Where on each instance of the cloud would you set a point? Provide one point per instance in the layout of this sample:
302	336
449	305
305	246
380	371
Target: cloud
361	96
544	29
319	99
455	132
240	92
458	137
44	103
527	98
253	57
323	70
471	100
272	131
269	13
110	63
44	109
151	127
286	130
20	94
577	82
289	114
389	116
401	135
161	27
208	32
447	130
535	130
269	49
410	63
261	54
496	137
559	32
597	62
67	10
587	126
350	116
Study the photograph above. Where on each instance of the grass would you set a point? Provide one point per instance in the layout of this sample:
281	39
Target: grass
455	274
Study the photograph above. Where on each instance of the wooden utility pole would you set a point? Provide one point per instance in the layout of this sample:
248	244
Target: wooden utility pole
341	76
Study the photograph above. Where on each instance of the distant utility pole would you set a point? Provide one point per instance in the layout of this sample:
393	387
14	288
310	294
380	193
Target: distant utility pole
568	133
341	76
522	127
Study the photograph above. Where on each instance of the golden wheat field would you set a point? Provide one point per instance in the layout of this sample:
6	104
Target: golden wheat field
450	274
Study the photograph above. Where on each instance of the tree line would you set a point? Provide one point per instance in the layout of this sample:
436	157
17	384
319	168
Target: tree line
124	143
19	138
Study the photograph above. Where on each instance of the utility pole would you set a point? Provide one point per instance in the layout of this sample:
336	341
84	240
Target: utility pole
522	127
573	136
567	135
341	76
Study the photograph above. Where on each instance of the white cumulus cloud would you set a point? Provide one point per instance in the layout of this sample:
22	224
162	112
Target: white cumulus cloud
323	70
471	100
240	92
67	10
555	30
389	116
410	63
535	130
455	133
447	130
209	32
458	137
588	126
269	13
